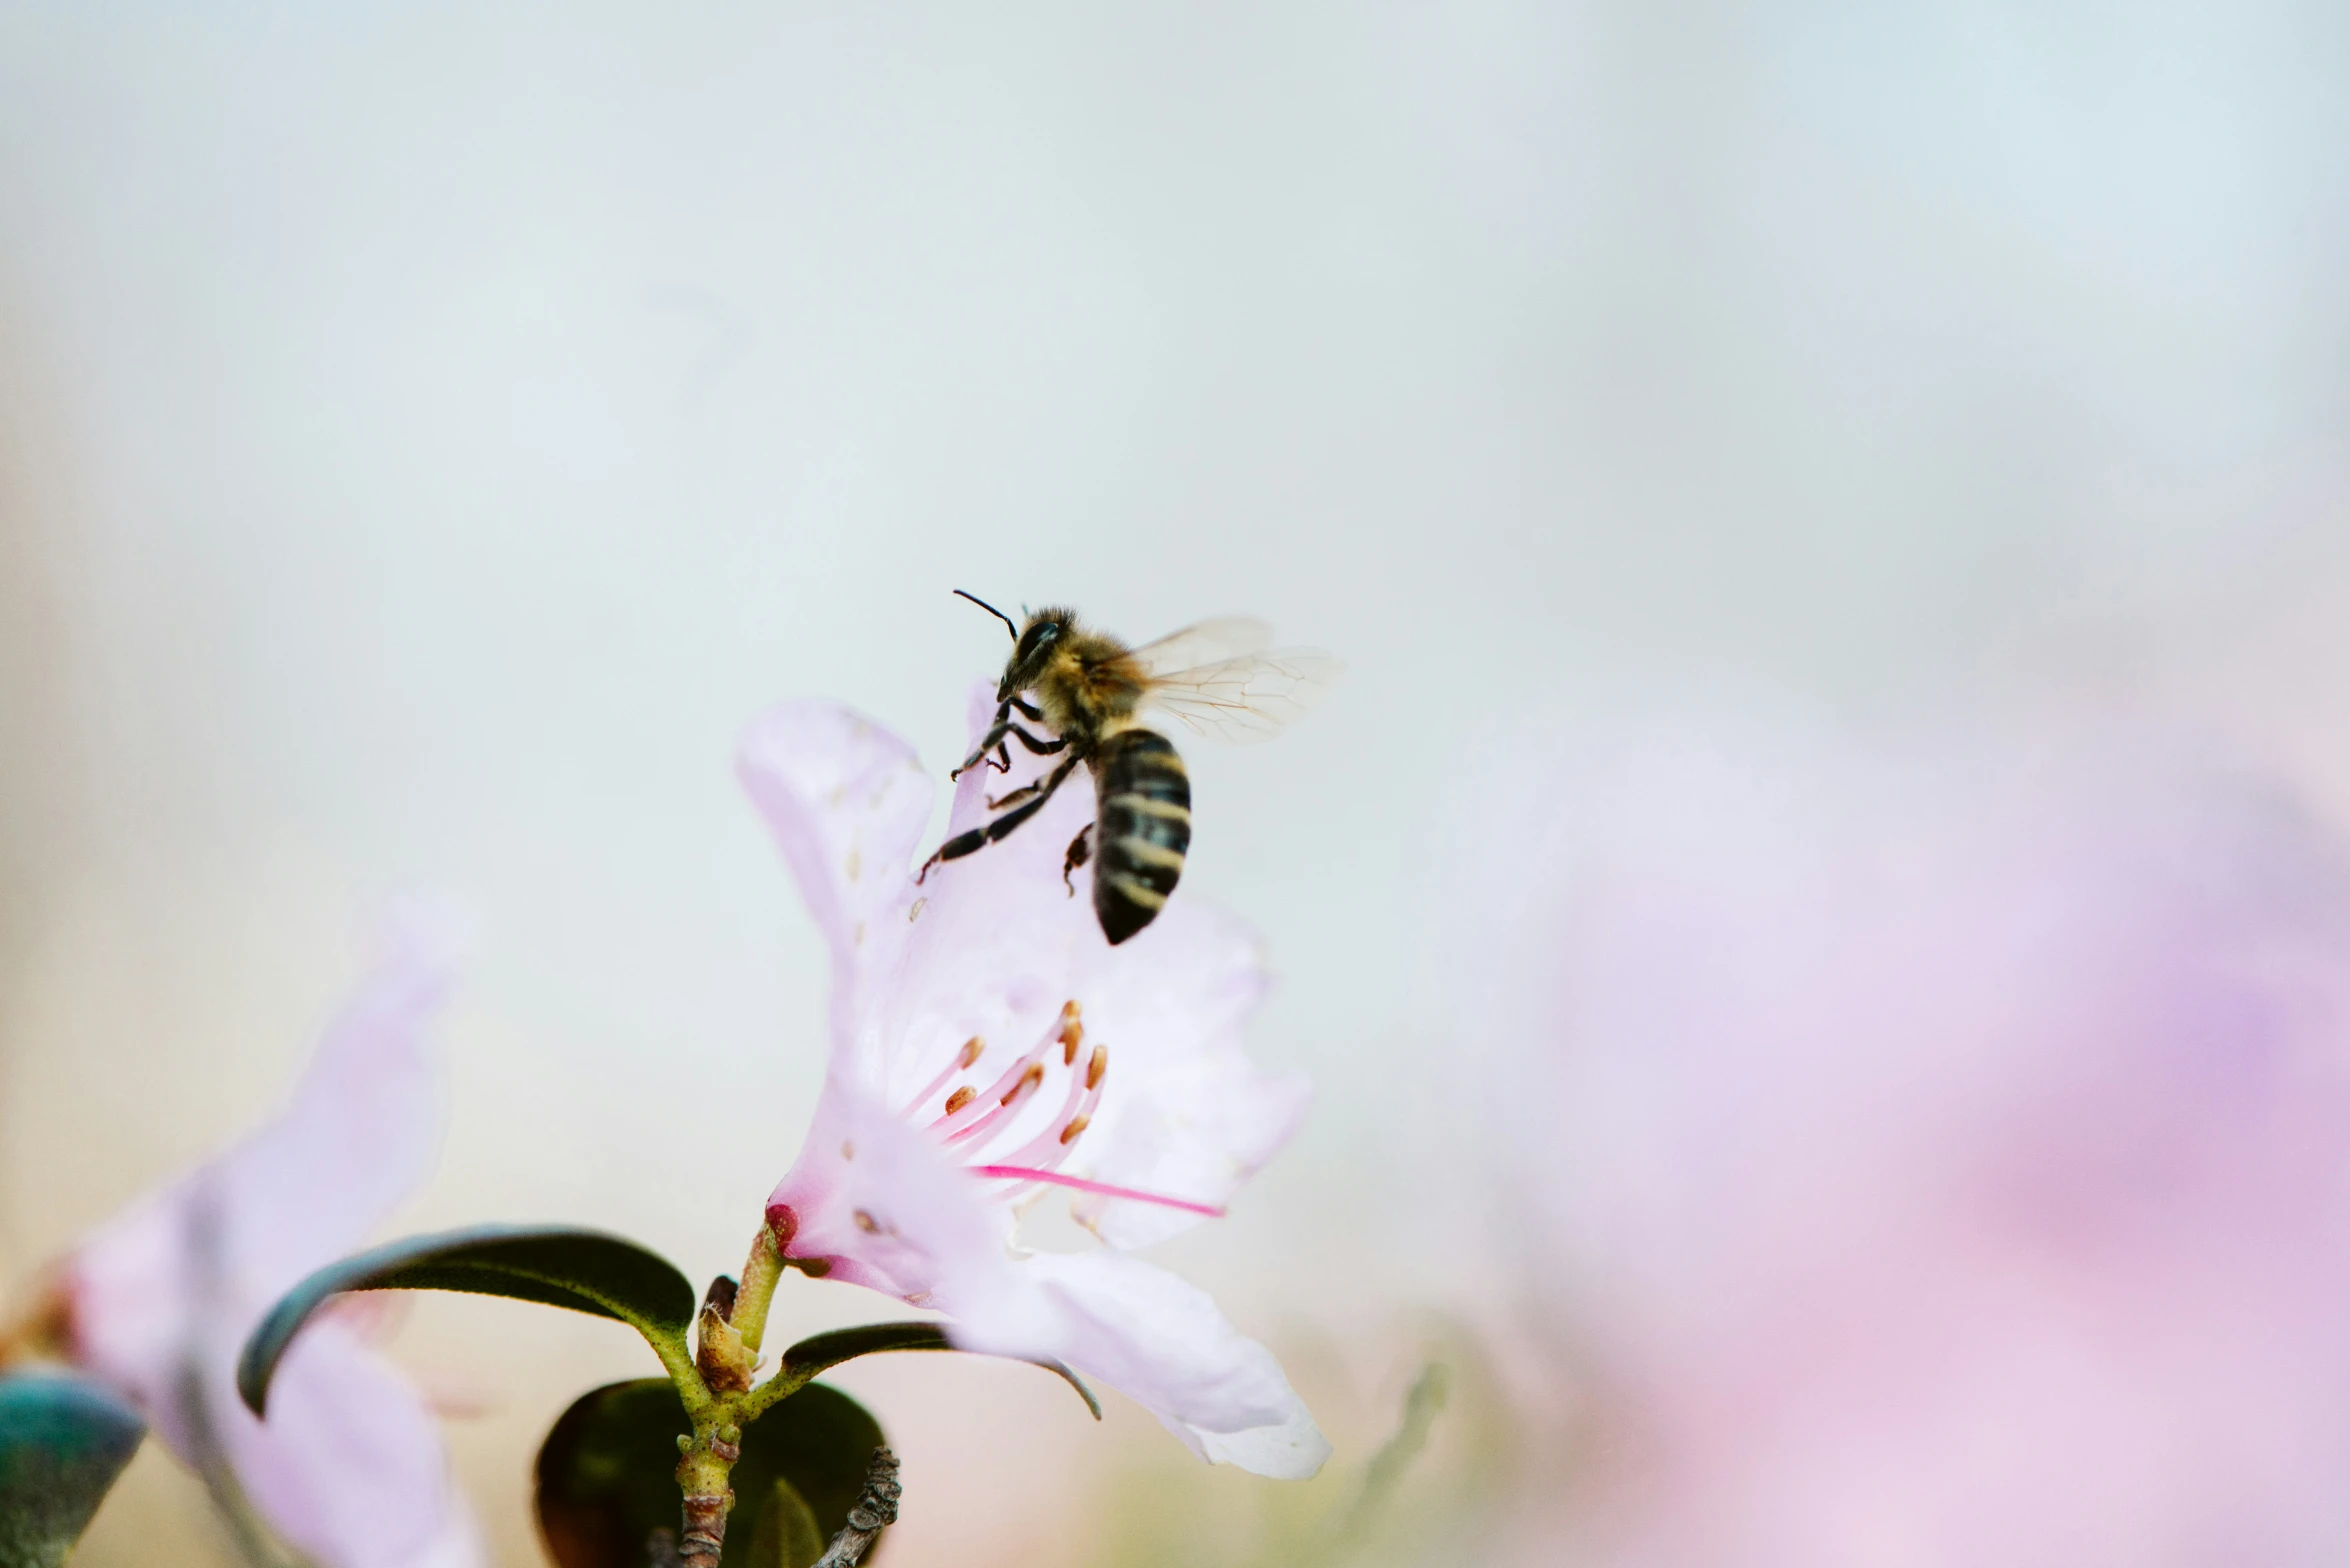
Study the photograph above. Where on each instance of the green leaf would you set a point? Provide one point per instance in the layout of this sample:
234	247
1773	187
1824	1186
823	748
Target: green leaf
1350	1528
786	1535
63	1441
813	1355
607	1474
557	1265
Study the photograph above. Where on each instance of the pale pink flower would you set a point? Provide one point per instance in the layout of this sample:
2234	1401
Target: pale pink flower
987	1046
1940	1160
349	1468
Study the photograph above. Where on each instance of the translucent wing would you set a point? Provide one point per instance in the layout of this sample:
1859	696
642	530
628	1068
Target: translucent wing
1247	698
1209	642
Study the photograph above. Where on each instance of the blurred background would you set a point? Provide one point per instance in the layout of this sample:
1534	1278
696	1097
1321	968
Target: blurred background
428	436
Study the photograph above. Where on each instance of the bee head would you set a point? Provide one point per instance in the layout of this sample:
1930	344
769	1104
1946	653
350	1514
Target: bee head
1039	640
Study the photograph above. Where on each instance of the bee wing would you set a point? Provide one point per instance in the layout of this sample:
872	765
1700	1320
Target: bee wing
1248	698
1208	642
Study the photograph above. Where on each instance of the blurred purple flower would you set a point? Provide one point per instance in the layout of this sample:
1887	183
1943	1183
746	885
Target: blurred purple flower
974	1023
349	1468
1943	1162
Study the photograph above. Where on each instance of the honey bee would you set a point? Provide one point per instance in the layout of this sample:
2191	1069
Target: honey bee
1093	693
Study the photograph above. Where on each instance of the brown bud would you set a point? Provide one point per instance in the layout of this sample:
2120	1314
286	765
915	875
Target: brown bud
719	1354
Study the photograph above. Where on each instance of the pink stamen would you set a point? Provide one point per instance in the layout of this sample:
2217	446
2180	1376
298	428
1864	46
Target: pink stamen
1047	1145
920	1103
1012	1104
959	1126
1103	1188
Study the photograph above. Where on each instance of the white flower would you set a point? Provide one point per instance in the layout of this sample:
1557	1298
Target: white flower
349	1468
989	1044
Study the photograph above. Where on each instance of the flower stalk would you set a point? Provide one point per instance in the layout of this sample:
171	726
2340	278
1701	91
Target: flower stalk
762	1270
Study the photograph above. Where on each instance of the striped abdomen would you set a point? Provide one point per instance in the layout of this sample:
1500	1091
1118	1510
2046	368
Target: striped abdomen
1141	830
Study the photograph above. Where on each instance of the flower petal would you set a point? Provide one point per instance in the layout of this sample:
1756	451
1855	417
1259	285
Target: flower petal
876	1201
1185	1113
1163	1343
171	1287
879	1203
132	1292
847	802
991	943
222	1242
349	1467
1937	1145
360	1135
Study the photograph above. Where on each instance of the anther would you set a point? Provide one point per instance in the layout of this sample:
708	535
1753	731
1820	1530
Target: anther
1077	1124
1098	1066
1028	1080
971	1049
1072	1031
866	1222
960	1098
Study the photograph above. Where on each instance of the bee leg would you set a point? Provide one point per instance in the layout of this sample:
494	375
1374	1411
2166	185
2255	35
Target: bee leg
994	736
1042	749
953	849
992	741
970	843
1026	711
999	742
1080	851
999	802
1037	745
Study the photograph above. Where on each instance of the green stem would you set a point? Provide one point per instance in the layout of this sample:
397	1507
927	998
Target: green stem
703	1466
787	1381
678	1361
761	1270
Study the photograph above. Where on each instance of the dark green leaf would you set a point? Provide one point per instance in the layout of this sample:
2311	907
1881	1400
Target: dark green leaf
584	1270
63	1440
607	1474
820	1351
786	1535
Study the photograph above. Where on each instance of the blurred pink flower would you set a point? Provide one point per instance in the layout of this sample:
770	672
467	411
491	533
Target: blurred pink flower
988	1044
349	1468
1942	1161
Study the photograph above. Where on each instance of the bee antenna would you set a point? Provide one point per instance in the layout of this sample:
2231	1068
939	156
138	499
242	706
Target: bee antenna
992	610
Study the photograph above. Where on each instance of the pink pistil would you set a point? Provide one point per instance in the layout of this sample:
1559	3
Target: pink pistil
1103	1188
